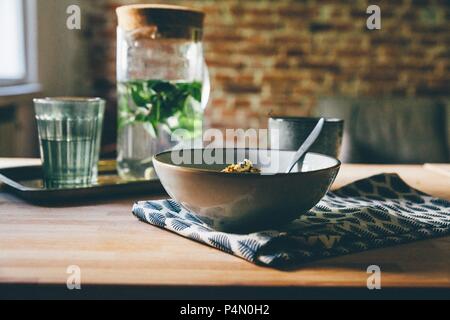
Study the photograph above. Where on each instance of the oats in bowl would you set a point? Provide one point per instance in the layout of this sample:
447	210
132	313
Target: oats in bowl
245	166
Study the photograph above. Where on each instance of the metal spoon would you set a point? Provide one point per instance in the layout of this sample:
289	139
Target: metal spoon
307	144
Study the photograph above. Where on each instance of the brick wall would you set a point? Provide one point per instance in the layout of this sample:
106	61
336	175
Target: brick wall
279	56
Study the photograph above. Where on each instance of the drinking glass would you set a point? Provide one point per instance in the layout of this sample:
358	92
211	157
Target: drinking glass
70	135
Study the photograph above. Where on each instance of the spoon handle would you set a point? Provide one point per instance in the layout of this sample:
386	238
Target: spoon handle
307	144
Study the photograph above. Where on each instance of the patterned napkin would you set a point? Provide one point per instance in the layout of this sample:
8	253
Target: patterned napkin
376	212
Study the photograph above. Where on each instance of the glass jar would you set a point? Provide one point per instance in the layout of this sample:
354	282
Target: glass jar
163	83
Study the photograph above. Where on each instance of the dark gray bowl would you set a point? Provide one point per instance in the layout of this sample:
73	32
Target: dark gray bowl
293	131
242	203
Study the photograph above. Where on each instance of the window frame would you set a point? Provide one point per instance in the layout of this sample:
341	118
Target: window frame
30	47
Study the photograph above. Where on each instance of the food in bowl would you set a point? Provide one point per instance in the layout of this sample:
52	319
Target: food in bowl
245	166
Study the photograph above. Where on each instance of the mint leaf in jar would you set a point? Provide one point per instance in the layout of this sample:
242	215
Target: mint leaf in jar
175	105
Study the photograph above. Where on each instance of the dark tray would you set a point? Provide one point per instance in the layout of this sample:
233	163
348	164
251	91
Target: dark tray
27	183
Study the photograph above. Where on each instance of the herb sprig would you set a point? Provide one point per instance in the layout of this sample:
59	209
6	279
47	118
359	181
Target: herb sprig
160	104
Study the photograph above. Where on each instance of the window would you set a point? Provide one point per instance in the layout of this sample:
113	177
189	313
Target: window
17	56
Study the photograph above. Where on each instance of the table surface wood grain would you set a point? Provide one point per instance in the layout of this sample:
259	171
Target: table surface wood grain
37	244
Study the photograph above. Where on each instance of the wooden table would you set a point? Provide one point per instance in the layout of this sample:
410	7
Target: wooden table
132	259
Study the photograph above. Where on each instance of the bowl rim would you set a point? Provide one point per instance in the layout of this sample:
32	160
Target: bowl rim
280	174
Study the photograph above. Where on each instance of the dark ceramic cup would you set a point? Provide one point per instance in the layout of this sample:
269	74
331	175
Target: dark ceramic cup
289	133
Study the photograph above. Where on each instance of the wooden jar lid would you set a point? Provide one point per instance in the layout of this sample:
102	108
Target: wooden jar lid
144	15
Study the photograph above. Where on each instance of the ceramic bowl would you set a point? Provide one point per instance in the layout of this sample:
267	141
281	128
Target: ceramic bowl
238	202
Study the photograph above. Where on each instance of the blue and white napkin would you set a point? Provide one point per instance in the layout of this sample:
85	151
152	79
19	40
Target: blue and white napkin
375	212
